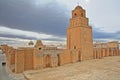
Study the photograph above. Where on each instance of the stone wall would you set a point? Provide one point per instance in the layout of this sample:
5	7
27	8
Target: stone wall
64	58
54	60
28	58
105	52
37	59
19	61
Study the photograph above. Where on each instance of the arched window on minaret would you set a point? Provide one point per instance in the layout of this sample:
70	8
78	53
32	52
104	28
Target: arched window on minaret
74	47
82	14
75	14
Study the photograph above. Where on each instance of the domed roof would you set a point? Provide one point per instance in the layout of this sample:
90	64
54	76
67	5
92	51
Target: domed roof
78	7
31	43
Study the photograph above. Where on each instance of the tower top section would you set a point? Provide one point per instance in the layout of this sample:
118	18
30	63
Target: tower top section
78	7
78	12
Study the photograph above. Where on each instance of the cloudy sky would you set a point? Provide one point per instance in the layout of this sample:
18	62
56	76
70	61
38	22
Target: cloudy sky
23	20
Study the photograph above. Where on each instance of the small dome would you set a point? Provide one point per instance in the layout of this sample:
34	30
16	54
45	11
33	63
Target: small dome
78	7
30	43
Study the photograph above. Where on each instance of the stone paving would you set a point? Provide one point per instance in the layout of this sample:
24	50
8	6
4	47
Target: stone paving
16	77
100	69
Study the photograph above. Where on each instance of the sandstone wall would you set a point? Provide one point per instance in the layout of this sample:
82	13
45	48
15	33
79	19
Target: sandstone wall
28	58
19	61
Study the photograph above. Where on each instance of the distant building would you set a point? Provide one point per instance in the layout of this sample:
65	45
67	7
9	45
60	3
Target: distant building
106	49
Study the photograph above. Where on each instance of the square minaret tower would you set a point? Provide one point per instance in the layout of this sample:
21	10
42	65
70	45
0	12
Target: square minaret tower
79	34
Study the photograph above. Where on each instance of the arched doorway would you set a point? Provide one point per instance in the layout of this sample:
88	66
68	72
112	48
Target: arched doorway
47	60
58	59
79	56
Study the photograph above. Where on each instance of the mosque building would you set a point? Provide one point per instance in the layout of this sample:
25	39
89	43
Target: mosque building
80	47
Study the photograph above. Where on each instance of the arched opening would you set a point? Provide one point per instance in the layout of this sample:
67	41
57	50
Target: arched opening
75	14
79	56
105	53
96	54
82	15
47	60
40	48
110	52
102	53
58	59
74	47
3	63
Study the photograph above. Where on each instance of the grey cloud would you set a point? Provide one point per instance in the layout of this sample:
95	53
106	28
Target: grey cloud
15	36
100	34
22	14
50	19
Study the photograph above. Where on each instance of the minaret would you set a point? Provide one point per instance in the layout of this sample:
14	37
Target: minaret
79	34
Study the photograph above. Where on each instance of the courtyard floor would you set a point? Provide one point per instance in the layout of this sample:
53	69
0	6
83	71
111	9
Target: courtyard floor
107	68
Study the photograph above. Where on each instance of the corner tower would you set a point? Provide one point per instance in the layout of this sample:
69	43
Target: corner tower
79	34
